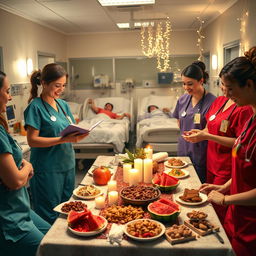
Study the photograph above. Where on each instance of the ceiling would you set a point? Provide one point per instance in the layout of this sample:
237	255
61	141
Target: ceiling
87	16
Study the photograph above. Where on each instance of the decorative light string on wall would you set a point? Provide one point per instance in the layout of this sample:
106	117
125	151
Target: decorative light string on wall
200	38
243	25
155	42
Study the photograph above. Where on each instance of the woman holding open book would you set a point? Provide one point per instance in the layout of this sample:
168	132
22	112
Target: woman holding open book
52	156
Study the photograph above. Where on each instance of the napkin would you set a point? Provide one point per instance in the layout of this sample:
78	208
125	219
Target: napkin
160	156
116	234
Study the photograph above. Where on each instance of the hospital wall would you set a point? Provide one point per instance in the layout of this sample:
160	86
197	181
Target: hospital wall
21	39
226	29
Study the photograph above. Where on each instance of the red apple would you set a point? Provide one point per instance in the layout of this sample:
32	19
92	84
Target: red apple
101	175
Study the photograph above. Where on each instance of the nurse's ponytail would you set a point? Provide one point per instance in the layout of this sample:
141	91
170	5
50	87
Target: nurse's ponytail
241	69
35	81
50	73
3	121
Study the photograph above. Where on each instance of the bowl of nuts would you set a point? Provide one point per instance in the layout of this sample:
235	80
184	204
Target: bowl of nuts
139	195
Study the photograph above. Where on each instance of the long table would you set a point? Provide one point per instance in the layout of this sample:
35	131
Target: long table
59	241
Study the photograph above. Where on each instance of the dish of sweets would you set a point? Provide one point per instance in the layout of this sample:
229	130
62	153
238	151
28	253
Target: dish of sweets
175	163
177	173
85	223
66	207
144	229
87	192
191	197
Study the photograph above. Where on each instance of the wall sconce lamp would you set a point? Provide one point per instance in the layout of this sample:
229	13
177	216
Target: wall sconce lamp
29	66
214	62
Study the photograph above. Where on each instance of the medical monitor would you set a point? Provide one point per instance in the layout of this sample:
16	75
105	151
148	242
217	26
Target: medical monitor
10	114
165	77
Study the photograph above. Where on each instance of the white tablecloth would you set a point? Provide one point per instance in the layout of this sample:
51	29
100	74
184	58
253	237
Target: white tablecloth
59	241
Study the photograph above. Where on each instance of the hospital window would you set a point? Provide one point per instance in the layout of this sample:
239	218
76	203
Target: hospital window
231	51
44	59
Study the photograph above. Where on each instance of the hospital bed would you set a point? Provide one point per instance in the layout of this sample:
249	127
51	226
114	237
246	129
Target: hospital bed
160	132
111	135
76	109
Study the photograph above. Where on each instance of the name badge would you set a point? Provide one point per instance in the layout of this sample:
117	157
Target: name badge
197	118
224	126
69	119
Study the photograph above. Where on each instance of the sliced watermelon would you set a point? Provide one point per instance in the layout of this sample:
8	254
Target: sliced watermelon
170	181
162	208
163	179
157	179
170	203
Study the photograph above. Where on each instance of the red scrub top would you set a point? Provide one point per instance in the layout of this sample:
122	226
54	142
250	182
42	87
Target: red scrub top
108	113
240	222
219	156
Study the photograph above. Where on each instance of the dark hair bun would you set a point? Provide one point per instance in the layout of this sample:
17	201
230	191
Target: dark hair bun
202	66
251	55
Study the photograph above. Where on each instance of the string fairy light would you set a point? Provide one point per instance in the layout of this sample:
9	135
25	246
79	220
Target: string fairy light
200	38
155	42
243	25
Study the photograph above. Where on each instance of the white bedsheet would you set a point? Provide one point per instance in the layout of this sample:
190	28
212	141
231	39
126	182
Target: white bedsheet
153	123
109	131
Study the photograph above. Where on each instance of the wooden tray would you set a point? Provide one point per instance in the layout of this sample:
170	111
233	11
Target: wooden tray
180	240
200	231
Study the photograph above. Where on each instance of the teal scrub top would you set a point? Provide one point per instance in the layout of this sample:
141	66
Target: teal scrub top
61	157
15	219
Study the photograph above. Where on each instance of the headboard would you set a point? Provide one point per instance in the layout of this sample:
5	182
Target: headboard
160	101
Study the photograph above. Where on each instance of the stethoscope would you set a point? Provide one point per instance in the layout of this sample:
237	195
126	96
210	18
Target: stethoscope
52	117
184	113
238	143
212	117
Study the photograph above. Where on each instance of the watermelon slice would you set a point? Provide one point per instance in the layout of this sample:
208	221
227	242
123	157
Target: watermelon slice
165	182
170	181
163	210
157	179
84	221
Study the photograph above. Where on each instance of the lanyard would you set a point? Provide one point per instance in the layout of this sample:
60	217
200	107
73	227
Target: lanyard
237	144
184	113
52	117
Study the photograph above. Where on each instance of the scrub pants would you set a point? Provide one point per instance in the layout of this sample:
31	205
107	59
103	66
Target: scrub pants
28	244
49	189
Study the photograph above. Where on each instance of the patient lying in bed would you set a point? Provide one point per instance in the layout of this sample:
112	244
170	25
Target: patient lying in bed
107	110
153	111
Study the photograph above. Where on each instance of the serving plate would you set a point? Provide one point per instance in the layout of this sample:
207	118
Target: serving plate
203	196
58	207
91	233
75	192
167	164
146	239
186	173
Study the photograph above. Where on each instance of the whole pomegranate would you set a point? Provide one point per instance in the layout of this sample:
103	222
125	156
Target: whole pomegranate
101	175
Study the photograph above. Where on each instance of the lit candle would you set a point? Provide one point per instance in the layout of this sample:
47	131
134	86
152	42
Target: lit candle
126	168
138	164
133	177
148	170
112	186
99	202
149	152
112	197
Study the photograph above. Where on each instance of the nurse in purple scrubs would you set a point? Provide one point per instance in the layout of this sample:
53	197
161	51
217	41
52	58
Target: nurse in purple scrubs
190	112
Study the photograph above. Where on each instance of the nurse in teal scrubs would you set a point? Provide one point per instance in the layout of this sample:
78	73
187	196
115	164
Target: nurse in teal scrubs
21	229
52	156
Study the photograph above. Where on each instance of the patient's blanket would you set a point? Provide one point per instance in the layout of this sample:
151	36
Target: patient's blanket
154	123
157	113
109	131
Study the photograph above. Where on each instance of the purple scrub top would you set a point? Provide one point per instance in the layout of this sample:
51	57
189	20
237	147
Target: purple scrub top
196	151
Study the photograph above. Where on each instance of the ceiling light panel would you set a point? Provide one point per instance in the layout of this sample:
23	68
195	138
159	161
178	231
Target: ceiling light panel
125	2
123	25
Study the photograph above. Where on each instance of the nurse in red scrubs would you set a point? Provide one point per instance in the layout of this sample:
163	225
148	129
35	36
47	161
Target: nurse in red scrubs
239	77
225	121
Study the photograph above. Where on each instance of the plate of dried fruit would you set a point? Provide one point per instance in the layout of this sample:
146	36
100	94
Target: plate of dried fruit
67	206
144	229
87	192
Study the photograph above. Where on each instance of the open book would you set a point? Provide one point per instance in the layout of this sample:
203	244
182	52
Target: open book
76	128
